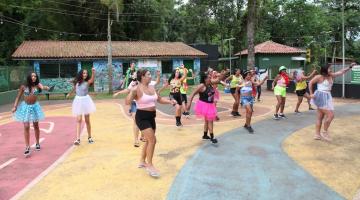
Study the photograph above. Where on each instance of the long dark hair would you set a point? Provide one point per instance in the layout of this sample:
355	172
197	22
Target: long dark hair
30	83
173	75
79	77
140	73
203	77
325	70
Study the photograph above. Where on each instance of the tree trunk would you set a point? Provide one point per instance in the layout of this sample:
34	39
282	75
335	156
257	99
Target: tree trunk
251	19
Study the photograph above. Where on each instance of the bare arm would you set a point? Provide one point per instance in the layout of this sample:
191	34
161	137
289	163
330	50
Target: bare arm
196	91
68	95
310	76
20	93
311	84
257	83
157	78
343	71
124	91
131	96
92	79
43	87
275	80
192	74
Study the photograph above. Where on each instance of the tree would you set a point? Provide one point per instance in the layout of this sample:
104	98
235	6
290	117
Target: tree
251	20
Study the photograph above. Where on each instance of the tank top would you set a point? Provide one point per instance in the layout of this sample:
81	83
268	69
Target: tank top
146	101
247	88
234	81
82	89
301	85
175	85
281	82
208	95
325	86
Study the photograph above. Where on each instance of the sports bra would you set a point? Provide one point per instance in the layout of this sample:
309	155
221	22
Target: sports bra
34	92
146	101
246	88
281	82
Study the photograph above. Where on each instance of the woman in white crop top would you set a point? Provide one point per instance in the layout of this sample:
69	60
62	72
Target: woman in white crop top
323	100
146	97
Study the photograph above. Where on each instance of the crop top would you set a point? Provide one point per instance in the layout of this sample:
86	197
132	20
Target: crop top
208	95
82	89
146	101
325	86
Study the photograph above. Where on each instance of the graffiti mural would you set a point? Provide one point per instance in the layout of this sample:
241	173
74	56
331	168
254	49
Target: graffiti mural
102	76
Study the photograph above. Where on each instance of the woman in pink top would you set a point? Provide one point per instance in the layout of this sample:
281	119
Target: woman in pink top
146	96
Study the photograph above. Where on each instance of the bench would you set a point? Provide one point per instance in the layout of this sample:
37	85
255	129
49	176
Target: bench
51	91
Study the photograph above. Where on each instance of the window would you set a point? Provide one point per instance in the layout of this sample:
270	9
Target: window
63	70
68	70
166	66
49	70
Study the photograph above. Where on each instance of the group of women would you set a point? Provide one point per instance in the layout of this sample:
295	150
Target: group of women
142	97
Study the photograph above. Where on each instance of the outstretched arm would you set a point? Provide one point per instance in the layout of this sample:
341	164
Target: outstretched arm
310	76
43	87
258	83
196	91
275	80
92	79
343	71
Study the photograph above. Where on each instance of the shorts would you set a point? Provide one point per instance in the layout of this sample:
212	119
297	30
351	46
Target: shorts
247	100
232	90
184	98
177	97
280	91
145	119
132	107
300	93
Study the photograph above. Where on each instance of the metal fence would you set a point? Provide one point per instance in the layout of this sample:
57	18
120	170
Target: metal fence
11	77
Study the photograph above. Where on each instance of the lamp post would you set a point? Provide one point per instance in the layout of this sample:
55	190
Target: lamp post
229	39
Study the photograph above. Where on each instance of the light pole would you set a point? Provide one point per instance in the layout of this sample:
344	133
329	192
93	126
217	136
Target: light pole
343	48
229	39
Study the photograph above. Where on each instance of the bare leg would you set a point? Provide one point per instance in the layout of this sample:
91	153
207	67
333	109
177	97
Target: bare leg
306	95
78	126
279	100
282	105
88	125
300	98
135	130
329	117
149	134
37	132
248	115
27	133
319	119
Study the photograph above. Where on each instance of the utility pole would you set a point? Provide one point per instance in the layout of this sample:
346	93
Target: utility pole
343	48
109	48
229	39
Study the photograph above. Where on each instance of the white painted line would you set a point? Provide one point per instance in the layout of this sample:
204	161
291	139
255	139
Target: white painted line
7	163
40	141
44	173
49	130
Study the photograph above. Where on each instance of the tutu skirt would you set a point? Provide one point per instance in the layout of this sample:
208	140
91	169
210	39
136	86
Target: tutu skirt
83	105
322	100
205	110
29	112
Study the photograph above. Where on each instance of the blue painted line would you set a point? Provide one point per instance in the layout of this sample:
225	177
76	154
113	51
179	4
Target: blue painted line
246	166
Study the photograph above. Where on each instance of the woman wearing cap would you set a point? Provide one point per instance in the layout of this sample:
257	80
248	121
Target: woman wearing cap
323	100
282	81
301	86
247	99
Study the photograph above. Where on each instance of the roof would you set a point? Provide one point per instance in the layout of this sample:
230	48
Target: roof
270	47
98	49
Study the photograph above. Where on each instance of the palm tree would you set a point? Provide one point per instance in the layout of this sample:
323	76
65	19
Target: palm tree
251	19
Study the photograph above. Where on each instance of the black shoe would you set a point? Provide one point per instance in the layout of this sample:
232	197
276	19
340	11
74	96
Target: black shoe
27	152
233	114
37	147
237	114
90	140
217	118
77	142
214	140
206	137
178	124
282	116
276	117
311	108
250	129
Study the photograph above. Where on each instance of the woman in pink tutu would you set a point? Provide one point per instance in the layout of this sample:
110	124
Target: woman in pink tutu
205	106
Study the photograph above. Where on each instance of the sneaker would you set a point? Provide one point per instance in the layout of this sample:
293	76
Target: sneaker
178	124
249	128
214	141
311	108
233	113
217	118
206	137
276	117
237	114
282	116
37	147
297	112
259	100
90	140
77	142
27	152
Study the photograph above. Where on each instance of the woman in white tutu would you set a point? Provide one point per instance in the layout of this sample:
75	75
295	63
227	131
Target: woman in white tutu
323	100
83	104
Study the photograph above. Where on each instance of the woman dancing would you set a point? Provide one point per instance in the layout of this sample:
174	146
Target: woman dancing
300	88
323	100
146	96
83	104
30	110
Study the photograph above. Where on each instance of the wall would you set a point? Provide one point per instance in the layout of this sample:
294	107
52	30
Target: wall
8	97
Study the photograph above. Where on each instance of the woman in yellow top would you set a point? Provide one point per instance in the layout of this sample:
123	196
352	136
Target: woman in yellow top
235	80
301	86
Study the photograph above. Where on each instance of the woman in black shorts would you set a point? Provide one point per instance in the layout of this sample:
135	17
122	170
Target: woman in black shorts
301	88
146	96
